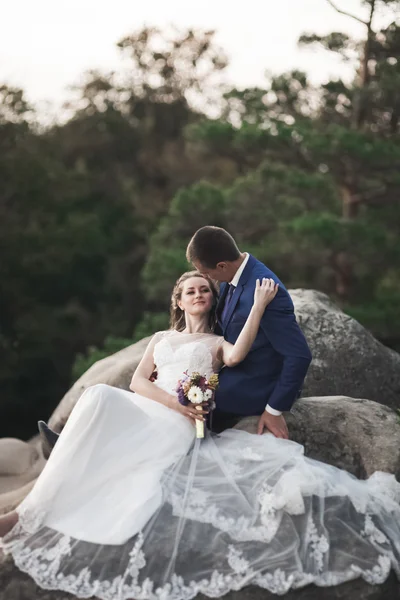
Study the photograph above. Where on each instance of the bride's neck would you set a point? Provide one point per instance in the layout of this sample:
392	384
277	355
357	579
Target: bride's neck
195	325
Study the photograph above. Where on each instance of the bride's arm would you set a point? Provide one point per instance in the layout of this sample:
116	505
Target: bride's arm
233	354
140	382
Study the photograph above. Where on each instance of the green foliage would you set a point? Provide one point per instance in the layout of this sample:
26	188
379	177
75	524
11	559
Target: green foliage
83	361
222	133
78	204
65	247
96	214
190	209
181	62
336	41
14	108
150	324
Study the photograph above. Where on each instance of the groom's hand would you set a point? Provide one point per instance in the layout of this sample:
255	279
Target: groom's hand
274	424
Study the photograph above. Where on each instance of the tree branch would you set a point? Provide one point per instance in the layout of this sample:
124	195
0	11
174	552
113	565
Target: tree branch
371	15
343	12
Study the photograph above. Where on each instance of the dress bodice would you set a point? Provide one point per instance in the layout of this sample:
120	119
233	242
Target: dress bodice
176	352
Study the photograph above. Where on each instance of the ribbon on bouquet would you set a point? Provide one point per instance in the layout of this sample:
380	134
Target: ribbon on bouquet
199	426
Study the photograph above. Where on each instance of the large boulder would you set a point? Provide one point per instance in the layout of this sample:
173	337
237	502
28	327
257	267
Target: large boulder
347	359
20	465
16	457
360	436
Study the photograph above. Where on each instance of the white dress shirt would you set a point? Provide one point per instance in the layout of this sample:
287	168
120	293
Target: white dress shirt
235	282
240	270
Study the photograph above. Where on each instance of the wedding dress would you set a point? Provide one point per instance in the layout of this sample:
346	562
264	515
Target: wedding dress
131	505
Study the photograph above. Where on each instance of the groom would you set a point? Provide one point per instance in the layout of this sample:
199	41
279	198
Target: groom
270	378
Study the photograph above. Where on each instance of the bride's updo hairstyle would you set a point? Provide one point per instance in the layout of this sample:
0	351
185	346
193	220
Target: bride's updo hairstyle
177	316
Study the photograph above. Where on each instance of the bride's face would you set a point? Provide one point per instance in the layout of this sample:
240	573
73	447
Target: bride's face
197	296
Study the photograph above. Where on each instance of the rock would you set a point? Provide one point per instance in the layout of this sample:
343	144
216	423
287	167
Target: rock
20	464
16	456
347	359
10	499
15	585
360	436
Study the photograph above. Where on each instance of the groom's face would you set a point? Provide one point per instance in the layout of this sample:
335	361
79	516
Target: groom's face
221	272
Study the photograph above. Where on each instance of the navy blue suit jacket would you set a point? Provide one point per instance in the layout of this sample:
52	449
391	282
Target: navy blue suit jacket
273	372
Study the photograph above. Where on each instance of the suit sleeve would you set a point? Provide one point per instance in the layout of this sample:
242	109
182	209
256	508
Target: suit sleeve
284	334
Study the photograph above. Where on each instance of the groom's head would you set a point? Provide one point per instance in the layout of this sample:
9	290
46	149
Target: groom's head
214	252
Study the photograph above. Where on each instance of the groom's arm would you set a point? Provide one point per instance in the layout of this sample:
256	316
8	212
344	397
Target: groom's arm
283	332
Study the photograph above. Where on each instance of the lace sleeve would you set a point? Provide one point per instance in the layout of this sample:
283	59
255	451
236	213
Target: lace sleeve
157	337
217	362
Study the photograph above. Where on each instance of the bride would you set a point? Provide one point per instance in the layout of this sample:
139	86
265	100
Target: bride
132	505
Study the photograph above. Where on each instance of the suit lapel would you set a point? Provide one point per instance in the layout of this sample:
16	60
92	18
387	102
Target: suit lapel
232	305
238	292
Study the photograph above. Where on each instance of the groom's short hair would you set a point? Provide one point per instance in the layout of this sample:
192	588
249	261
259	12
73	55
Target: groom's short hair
211	245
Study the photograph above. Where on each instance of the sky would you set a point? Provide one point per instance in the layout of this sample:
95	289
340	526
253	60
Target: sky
45	46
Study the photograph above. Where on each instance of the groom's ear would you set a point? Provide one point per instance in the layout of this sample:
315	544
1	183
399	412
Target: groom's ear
222	266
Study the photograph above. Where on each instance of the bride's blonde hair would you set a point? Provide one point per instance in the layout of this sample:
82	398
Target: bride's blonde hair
177	315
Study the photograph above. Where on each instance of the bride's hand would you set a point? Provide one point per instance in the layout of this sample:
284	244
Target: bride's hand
265	292
190	411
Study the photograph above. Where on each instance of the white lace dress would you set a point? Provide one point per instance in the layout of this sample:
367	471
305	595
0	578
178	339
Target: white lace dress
130	505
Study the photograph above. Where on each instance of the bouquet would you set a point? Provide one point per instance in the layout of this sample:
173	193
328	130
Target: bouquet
196	389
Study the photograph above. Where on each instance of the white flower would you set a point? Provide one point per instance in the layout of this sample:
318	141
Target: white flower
208	395
195	395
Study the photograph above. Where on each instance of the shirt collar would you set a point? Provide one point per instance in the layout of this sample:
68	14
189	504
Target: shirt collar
240	270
